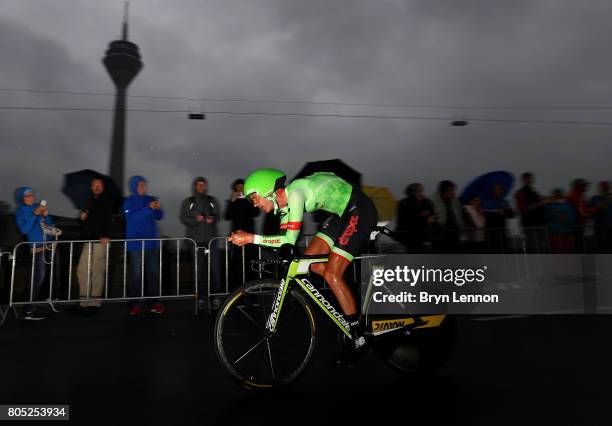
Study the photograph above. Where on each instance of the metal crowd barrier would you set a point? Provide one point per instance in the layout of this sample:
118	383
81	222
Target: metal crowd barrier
216	255
225	284
224	273
4	309
576	239
168	248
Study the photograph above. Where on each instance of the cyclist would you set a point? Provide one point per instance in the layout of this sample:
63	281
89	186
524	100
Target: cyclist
343	235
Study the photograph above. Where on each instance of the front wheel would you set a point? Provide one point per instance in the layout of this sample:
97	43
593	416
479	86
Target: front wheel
251	355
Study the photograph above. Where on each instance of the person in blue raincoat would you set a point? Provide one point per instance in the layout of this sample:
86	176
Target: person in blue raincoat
142	212
29	215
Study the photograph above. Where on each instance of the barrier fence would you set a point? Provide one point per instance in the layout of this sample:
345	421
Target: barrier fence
237	273
5	258
532	240
186	271
170	268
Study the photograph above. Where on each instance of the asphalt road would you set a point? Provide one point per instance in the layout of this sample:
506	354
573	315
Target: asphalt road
162	370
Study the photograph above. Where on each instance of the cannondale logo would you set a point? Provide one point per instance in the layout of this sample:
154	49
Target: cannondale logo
273	316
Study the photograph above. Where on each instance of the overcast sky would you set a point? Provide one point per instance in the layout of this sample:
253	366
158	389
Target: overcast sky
482	53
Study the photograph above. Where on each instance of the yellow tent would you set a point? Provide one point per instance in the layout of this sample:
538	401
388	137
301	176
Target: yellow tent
383	200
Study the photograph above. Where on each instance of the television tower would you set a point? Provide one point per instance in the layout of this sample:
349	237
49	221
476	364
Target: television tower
122	61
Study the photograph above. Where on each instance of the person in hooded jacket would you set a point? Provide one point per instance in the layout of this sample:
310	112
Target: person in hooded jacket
200	214
141	213
29	215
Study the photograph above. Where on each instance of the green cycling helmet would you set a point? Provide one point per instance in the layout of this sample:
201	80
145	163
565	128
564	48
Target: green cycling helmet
264	182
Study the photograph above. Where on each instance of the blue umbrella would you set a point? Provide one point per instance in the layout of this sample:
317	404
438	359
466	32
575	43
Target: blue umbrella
483	185
77	187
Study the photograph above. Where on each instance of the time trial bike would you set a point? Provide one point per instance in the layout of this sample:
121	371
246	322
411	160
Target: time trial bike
266	333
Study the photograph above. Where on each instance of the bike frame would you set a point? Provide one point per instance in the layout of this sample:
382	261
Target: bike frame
299	268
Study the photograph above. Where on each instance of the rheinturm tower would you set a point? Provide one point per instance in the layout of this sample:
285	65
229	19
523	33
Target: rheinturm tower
122	61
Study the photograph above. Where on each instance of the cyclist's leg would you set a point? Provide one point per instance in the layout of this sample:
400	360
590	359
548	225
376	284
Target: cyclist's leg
323	241
332	270
317	246
333	273
334	276
356	225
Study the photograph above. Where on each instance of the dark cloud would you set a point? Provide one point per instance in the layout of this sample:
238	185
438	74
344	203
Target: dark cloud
408	52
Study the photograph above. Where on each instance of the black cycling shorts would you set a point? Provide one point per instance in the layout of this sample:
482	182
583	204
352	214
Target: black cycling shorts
348	235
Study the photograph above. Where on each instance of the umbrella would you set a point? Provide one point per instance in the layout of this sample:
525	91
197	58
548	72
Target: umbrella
483	185
336	166
77	187
384	201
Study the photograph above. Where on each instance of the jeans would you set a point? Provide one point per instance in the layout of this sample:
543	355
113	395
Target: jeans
151	272
36	282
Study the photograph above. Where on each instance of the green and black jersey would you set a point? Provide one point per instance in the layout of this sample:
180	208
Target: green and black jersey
320	191
346	231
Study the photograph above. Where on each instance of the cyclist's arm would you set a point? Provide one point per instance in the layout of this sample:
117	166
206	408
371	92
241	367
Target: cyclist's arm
290	224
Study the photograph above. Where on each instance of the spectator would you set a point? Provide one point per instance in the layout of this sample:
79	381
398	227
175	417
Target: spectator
496	211
29	216
415	217
241	213
200	214
583	211
531	207
602	218
560	217
476	225
449	216
142	212
239	210
97	220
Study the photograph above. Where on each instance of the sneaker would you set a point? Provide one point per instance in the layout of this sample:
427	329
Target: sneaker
352	349
135	310
349	355
158	308
33	316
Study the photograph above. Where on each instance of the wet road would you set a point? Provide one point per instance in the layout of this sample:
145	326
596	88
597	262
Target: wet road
162	370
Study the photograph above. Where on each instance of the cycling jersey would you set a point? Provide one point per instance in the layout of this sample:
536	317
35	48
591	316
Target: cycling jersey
328	192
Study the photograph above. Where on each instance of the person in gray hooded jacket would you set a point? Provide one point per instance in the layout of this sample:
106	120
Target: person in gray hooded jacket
200	214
